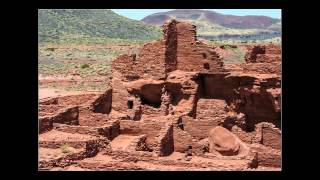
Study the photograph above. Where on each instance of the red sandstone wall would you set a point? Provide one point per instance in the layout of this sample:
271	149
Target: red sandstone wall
193	55
125	64
182	140
120	95
151	61
210	113
263	59
151	127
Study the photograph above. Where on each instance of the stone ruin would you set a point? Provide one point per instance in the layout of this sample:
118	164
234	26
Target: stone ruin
173	106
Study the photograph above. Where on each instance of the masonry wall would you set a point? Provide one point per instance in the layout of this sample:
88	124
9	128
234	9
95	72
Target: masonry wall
165	141
193	55
120	95
271	136
263	59
151	127
262	68
182	139
150	62
125	65
210	113
103	103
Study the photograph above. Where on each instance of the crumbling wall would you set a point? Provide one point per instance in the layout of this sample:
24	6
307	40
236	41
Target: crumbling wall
263	59
247	137
149	63
275	97
92	148
219	86
130	127
138	144
210	113
264	133
110	131
182	89
267	156
271	136
68	115
120	94
262	68
263	53
171	42
89	118
212	109
103	103
45	124
151	126
125	65
193	55
257	106
182	140
151	60
257	97
148	93
165	141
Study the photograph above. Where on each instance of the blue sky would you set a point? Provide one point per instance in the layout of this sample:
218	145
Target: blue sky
138	14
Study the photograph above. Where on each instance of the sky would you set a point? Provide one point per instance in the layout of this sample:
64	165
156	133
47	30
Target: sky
139	14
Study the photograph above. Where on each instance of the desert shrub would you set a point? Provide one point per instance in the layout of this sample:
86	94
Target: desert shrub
83	66
65	148
49	49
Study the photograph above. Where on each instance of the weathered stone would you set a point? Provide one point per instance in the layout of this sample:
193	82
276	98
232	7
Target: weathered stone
223	141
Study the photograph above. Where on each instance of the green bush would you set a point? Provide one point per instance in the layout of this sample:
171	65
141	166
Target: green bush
83	66
65	148
50	49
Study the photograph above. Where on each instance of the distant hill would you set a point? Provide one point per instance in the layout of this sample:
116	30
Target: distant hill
55	24
213	25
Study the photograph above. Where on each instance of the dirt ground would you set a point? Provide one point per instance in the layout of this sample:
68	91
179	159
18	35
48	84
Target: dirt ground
51	92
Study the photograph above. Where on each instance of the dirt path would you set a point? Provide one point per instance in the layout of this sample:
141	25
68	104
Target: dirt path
51	92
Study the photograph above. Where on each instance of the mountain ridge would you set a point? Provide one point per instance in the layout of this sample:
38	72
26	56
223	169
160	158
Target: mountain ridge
54	24
226	20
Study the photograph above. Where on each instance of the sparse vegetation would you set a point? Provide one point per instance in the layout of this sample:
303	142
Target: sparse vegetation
83	66
276	40
65	148
82	44
236	56
90	26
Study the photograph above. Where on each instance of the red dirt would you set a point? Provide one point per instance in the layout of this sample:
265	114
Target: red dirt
51	93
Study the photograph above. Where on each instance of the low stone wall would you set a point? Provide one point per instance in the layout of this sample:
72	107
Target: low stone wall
165	141
58	144
67	115
138	144
267	156
262	68
92	148
130	127
110	131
